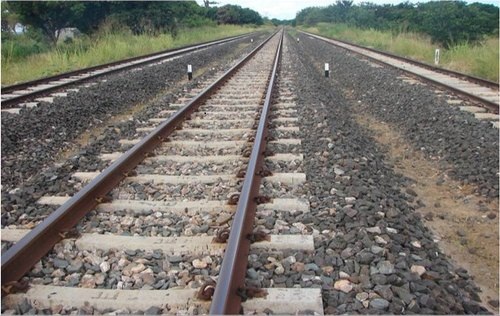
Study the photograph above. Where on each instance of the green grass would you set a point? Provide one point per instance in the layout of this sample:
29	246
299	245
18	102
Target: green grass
479	60
103	48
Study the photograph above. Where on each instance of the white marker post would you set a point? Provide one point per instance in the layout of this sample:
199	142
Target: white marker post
190	72
436	57
327	70
298	40
251	40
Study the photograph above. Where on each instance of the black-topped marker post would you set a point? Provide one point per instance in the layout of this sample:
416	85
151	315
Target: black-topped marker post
190	72
327	70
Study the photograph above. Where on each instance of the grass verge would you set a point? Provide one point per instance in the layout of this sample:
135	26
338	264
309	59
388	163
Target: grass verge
104	48
481	60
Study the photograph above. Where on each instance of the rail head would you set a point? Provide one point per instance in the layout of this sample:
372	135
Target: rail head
23	255
233	270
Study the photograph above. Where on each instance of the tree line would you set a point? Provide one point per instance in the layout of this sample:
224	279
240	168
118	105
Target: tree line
446	22
47	17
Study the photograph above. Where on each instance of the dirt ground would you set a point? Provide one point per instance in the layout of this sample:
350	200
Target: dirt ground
465	226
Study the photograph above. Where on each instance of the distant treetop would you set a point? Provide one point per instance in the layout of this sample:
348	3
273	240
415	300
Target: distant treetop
447	22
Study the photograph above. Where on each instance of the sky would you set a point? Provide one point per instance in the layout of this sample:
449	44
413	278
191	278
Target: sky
286	9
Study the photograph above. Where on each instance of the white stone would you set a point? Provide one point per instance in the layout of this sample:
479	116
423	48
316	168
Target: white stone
104	266
127	221
343	275
138	268
374	230
343	285
290	259
350	199
208	259
199	264
88	281
418	269
391	230
123	262
300	226
100	278
416	244
363	296
279	269
380	240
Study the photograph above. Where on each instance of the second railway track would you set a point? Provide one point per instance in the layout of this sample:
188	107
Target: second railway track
483	92
28	94
165	226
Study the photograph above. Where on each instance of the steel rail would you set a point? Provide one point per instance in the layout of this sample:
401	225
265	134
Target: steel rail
148	58
19	258
492	106
234	264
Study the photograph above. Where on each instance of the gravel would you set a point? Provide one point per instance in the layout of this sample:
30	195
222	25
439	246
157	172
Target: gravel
442	132
361	217
52	127
28	169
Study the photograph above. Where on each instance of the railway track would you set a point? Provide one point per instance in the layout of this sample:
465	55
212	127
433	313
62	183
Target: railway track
205	208
168	210
480	91
28	94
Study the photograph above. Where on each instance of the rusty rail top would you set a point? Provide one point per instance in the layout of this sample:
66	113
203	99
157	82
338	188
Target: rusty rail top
170	53
234	263
23	255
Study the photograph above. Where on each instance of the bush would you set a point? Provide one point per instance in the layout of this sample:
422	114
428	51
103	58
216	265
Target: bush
17	47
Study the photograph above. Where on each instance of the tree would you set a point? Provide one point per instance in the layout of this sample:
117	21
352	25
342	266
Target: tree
446	22
9	19
51	16
234	14
207	3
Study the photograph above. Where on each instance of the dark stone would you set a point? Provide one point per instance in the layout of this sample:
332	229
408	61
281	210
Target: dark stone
153	310
471	307
59	263
384	291
379	304
411	192
364	257
174	259
494	303
403	294
379	279
252	274
131	253
23	307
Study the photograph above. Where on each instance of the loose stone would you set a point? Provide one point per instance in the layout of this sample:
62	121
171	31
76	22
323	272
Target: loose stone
105	266
418	269
199	264
343	285
379	303
416	244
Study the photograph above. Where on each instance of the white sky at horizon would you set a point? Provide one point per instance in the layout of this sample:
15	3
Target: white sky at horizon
287	9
